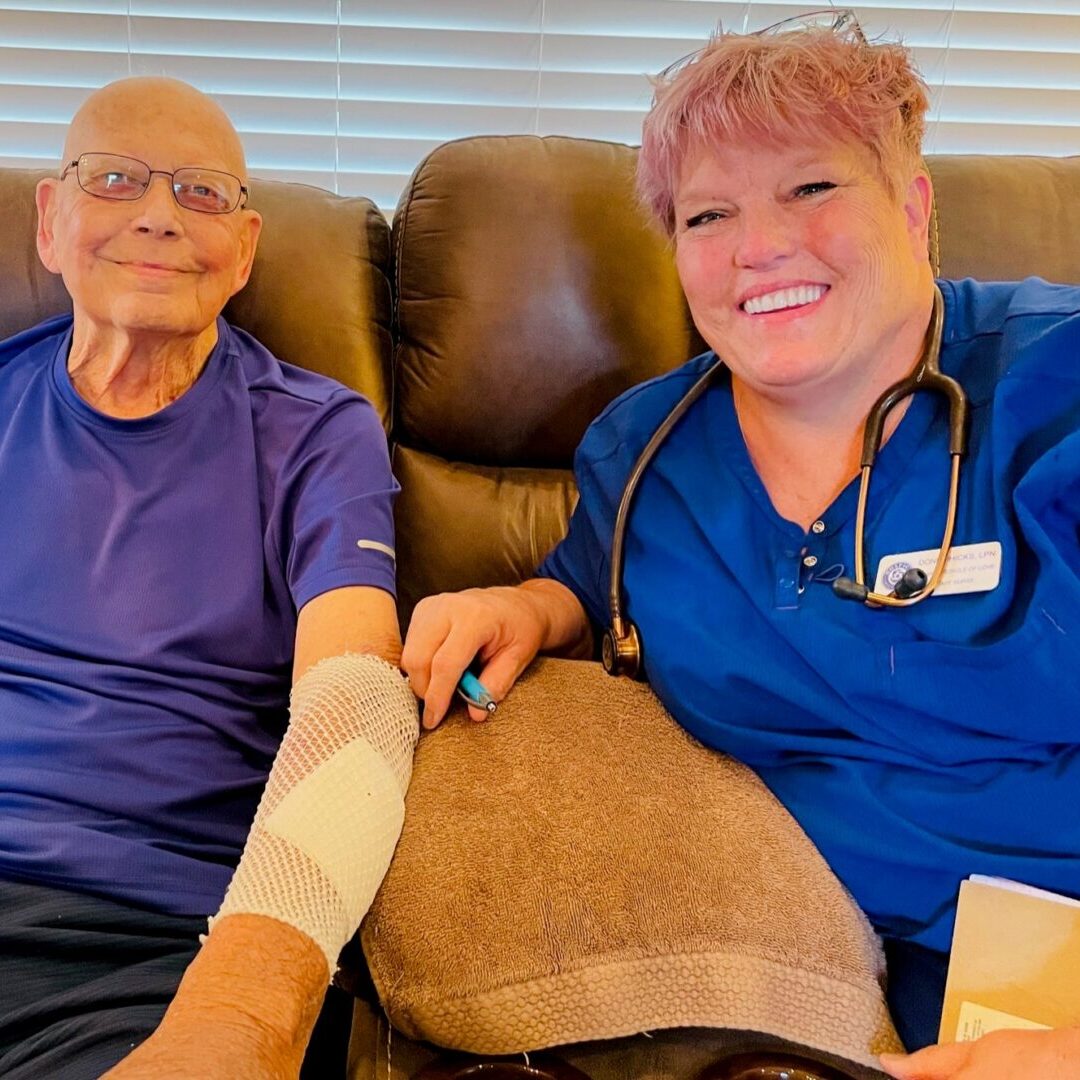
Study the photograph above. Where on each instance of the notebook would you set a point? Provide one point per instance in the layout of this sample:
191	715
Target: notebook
1015	960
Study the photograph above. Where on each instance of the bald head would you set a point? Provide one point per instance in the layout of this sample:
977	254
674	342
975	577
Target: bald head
146	257
154	119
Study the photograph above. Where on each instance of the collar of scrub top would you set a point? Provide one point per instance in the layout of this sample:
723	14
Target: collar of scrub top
621	648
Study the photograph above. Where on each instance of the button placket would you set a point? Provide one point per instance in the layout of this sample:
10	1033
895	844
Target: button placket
808	558
787	587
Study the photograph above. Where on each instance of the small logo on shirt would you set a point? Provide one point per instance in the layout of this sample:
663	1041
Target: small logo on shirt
894	573
375	545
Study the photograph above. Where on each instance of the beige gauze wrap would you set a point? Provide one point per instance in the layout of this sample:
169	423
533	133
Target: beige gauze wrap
579	868
333	805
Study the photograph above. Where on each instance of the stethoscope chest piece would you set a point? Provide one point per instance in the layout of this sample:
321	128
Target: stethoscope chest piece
621	653
620	649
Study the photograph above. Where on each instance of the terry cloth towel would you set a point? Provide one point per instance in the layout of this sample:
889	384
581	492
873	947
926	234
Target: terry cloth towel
579	868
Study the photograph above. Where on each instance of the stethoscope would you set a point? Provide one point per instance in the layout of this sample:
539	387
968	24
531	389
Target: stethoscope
621	646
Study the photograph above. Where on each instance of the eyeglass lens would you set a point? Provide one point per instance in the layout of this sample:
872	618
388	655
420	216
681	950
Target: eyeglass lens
111	176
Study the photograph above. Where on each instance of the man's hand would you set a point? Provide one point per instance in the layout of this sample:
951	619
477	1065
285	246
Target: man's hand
506	626
207	1045
1001	1055
244	1010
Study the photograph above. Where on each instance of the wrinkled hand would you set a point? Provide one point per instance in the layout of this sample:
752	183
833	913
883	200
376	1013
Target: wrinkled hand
1001	1055
209	1045
504	626
244	1009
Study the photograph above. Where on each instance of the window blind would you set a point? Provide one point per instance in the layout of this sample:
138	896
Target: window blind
351	94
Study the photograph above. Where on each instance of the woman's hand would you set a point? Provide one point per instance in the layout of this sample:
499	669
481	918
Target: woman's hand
504	626
1001	1055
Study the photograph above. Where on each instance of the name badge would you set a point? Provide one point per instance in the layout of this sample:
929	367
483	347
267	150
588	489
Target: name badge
969	568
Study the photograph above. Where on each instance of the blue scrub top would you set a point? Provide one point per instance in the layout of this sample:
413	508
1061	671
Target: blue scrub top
915	746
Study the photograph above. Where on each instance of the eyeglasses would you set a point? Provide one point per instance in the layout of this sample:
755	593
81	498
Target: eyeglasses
839	21
112	176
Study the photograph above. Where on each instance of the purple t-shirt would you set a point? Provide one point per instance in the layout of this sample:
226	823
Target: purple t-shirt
151	572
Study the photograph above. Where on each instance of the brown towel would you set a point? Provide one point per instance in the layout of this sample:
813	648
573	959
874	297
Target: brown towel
579	868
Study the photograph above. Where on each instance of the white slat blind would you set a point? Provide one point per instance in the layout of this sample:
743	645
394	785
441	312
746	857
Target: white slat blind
351	94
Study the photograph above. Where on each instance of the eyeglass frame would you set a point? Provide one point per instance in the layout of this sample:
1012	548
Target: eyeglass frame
843	19
241	200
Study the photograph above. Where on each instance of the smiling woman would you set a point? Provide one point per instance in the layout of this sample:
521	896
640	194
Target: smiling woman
916	743
804	259
814	281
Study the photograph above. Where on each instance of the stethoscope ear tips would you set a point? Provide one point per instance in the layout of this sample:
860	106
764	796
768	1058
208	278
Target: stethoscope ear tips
911	584
847	589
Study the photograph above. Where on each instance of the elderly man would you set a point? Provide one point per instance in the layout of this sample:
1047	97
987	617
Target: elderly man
179	544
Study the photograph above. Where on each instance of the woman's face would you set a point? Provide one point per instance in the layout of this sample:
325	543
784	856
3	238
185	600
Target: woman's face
801	269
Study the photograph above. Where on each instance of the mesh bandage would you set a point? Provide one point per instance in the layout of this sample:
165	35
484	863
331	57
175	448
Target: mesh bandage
334	803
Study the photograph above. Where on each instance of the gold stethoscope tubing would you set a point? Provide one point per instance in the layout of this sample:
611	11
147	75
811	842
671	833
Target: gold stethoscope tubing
926	376
618	624
621	645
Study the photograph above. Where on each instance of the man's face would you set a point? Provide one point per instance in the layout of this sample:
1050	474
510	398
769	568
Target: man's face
147	266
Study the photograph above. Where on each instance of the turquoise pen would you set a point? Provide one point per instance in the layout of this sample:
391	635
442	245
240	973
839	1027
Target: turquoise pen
472	691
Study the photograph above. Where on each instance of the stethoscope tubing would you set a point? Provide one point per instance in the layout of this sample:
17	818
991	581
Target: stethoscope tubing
622	651
927	376
659	436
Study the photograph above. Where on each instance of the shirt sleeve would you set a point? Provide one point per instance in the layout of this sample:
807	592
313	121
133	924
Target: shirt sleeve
340	503
581	561
1037	433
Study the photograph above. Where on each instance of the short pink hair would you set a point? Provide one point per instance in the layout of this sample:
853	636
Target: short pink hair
781	87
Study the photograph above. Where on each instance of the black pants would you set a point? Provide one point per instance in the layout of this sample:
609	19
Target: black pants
916	989
83	981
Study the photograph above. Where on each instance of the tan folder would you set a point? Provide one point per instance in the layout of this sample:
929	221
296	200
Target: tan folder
1015	961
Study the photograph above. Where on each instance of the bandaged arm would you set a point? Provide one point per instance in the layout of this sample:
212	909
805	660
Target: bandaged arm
334	803
249	1000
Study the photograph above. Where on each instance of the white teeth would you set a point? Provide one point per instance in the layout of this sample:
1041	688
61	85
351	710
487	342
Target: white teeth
784	298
